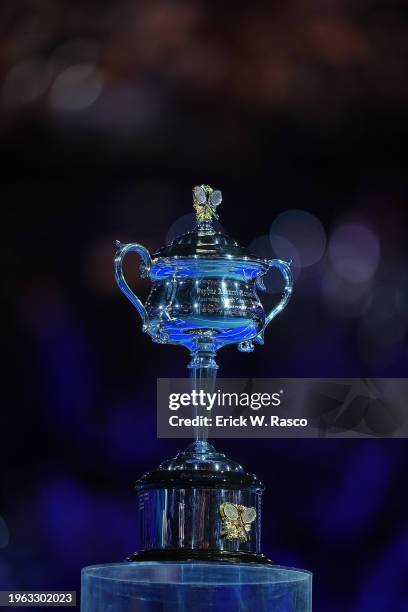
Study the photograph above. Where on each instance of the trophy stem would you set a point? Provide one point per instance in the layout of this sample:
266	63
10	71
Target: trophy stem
203	371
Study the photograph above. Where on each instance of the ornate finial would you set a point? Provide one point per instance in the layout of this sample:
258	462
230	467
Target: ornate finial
206	201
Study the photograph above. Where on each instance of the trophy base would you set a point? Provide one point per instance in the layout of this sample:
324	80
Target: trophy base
197	586
186	554
181	514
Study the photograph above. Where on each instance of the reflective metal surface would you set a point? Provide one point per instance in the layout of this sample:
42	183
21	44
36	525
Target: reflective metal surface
201	455
204	295
190	518
204	281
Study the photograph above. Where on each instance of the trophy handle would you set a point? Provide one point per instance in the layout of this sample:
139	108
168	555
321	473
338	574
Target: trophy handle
285	270
122	250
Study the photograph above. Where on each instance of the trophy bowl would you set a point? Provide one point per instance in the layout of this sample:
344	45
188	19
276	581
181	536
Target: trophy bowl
204	285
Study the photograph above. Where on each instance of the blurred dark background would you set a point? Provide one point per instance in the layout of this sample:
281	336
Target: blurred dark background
109	114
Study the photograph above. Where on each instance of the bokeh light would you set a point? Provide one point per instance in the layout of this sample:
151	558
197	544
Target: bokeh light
354	252
300	228
76	88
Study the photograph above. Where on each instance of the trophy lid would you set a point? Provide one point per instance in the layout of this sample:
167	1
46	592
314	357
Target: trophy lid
204	240
200	465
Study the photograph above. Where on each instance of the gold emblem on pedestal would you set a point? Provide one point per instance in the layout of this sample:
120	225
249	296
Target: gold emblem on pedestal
236	521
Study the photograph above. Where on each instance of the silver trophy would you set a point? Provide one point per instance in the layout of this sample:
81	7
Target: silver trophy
202	505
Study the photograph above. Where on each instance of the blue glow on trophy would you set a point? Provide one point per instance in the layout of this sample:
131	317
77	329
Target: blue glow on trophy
199	513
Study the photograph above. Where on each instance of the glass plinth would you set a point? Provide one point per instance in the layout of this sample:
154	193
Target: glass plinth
199	587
